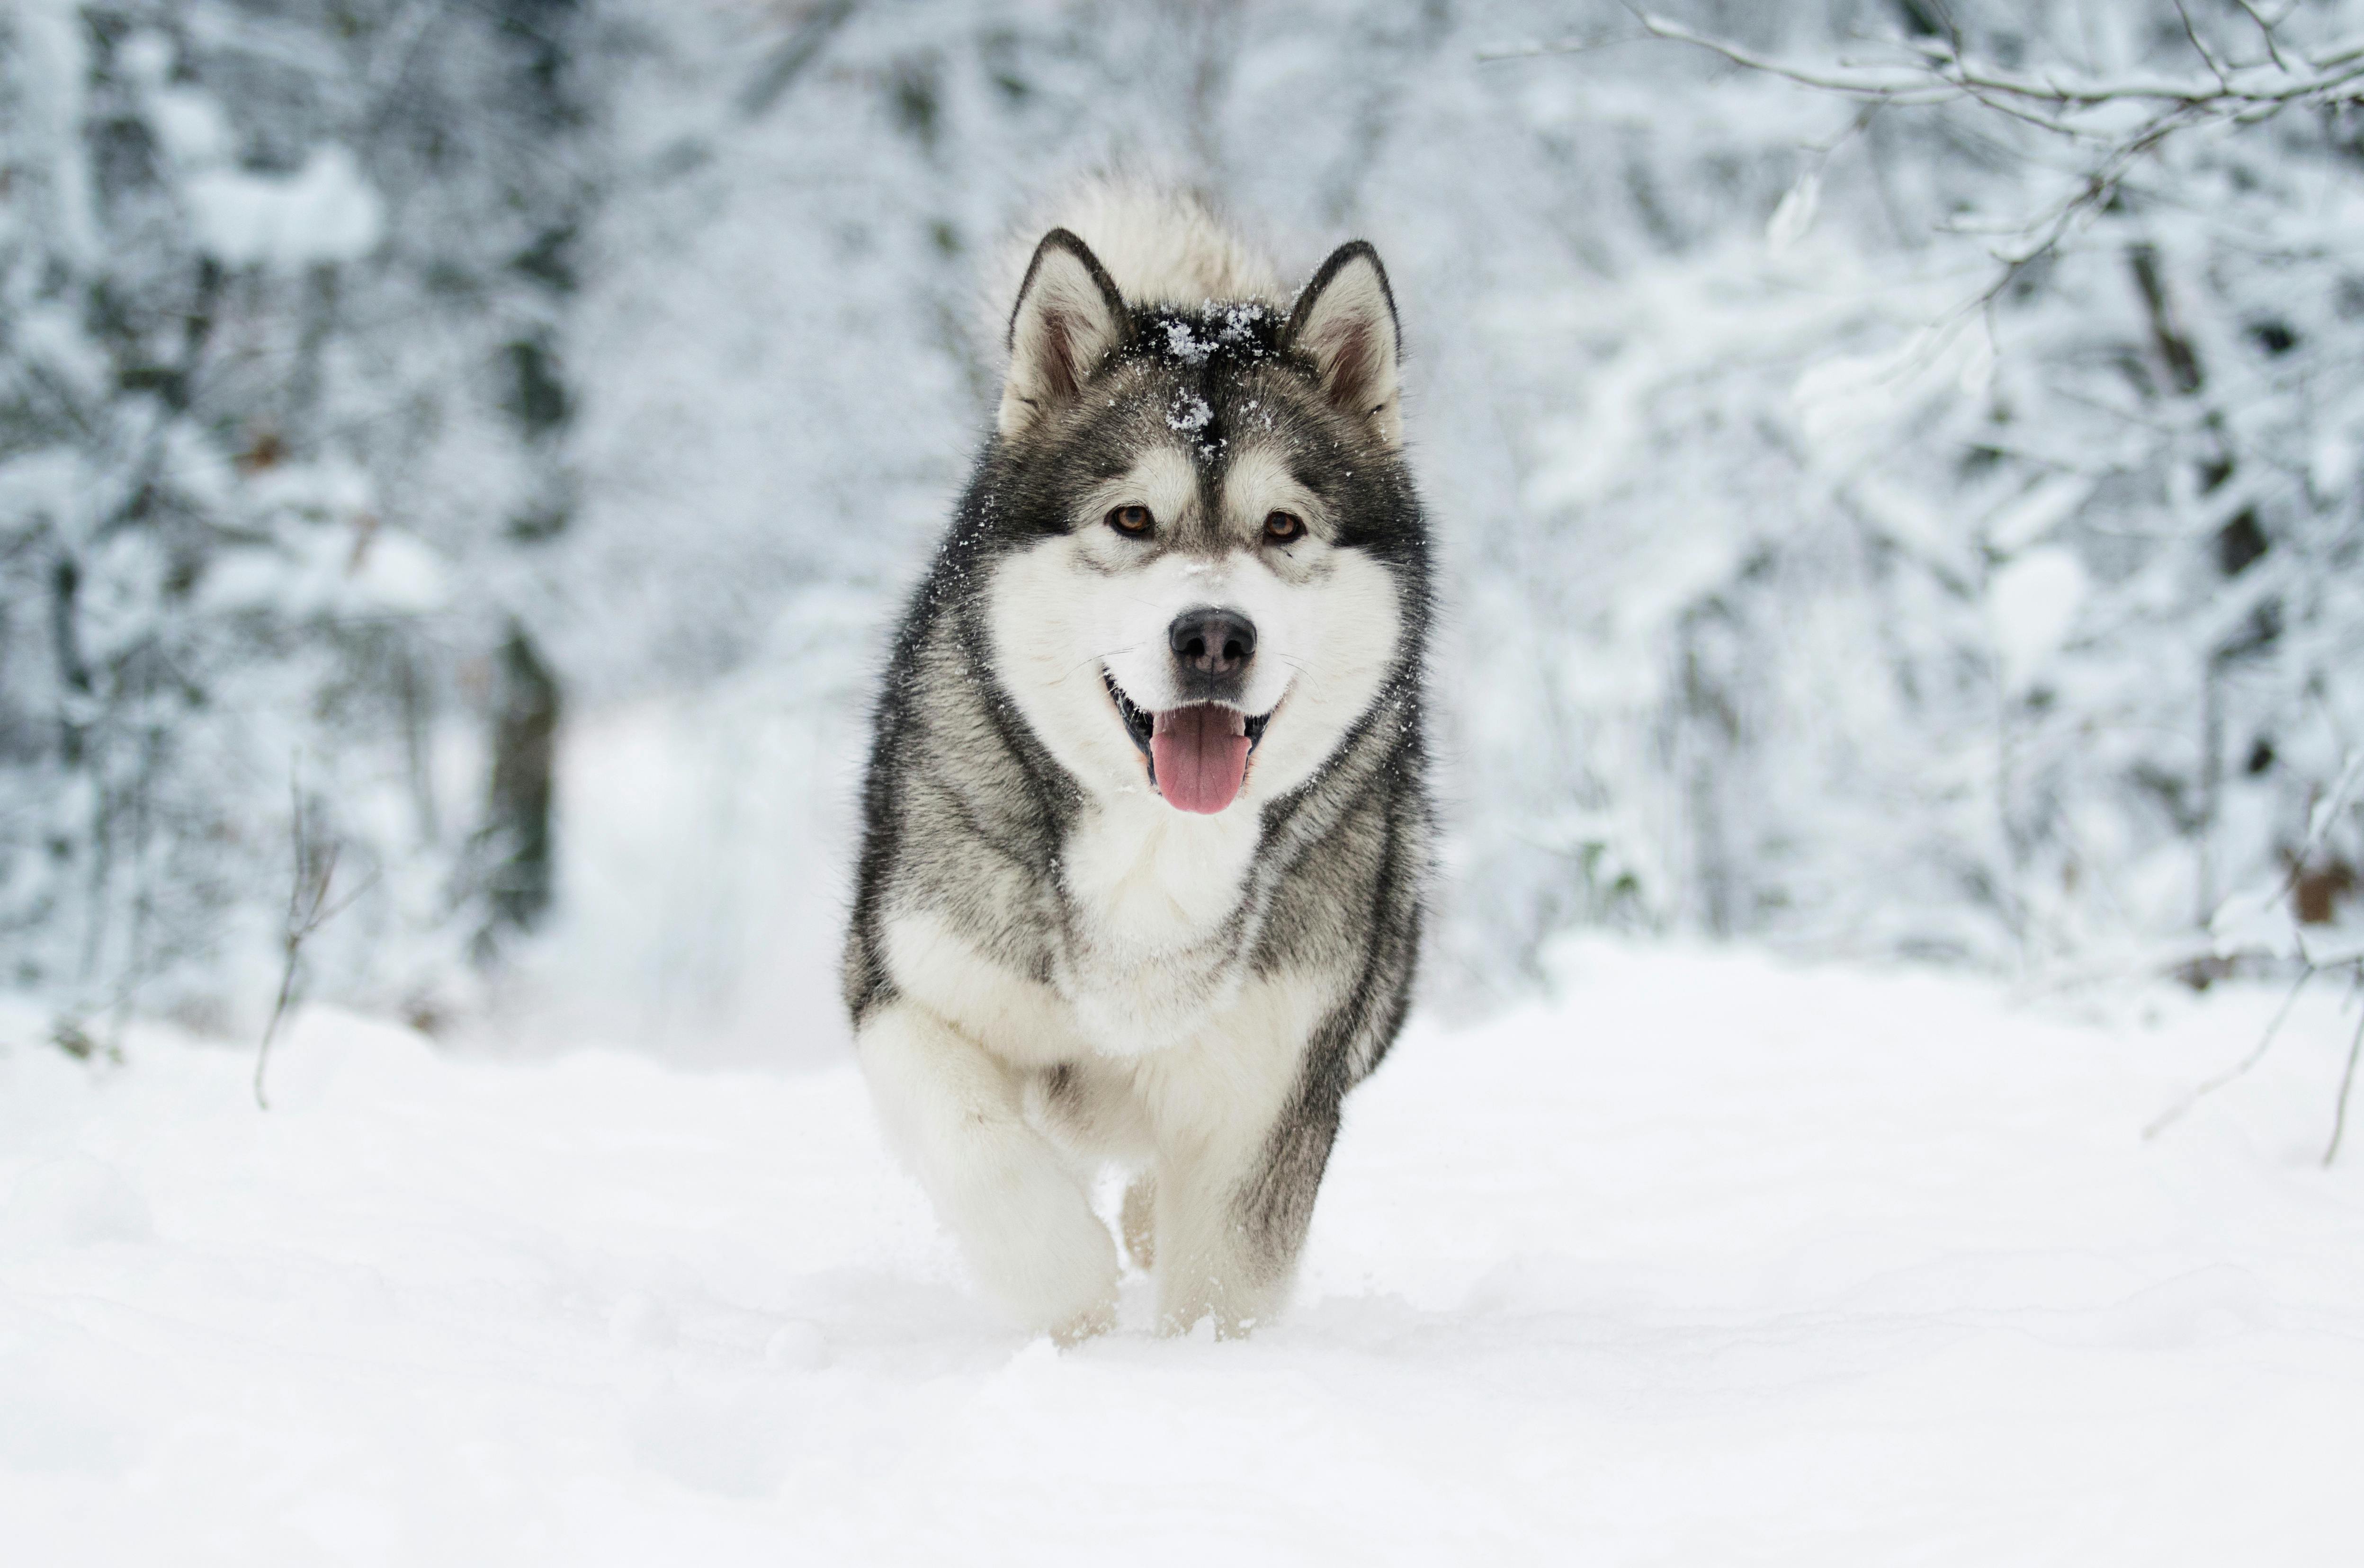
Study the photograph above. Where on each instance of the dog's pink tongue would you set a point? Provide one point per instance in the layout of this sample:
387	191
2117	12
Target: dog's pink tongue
1201	755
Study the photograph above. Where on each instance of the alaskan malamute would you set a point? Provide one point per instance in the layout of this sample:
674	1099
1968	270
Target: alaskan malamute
1147	821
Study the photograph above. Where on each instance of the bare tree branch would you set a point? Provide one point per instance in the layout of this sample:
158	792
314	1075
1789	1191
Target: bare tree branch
777	74
2176	1112
2266	28
308	909
2347	1083
2200	47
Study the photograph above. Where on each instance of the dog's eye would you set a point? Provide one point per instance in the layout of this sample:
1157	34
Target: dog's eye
1284	527
1132	520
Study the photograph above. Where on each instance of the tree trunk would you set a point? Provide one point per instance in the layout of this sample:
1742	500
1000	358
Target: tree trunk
517	826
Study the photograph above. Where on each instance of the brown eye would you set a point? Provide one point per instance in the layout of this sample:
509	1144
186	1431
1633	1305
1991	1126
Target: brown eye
1133	520
1284	527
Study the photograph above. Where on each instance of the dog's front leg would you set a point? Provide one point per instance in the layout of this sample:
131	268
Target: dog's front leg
1233	1210
954	1114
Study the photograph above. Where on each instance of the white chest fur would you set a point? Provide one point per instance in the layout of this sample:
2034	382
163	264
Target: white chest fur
1153	879
1147	961
1152	888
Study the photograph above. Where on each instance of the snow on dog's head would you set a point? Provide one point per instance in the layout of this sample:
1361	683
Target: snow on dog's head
1210	562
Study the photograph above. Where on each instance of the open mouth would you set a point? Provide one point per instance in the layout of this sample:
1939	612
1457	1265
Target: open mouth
1198	755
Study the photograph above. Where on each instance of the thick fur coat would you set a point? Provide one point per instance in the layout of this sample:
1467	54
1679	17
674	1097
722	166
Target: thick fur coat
1146	822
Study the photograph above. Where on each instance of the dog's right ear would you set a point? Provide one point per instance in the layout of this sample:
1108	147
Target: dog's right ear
1068	317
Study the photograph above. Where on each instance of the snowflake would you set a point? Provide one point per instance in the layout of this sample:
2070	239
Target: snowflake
1184	344
1238	322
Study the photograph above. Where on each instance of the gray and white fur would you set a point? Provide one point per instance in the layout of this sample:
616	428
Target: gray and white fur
1190	538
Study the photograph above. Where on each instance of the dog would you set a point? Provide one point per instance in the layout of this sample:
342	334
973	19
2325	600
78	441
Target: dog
1147	824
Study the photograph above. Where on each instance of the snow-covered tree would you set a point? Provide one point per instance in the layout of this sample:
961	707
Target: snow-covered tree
2048	641
1911	509
280	420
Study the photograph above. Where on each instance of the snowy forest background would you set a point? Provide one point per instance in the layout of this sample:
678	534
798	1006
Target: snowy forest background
459	460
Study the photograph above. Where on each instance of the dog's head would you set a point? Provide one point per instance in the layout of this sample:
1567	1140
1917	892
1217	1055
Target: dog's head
1213	562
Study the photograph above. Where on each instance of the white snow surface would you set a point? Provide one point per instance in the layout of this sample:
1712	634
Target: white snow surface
1707	1260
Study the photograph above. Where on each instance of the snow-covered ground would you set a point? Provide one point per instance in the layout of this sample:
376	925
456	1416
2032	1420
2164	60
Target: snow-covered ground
1712	1261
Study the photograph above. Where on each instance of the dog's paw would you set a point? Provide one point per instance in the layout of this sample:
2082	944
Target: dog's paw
1038	1249
1088	1323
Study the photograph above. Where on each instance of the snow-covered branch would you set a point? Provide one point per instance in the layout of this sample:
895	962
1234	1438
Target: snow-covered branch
1938	71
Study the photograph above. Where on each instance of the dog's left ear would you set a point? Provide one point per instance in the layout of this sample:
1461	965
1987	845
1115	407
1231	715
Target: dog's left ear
1345	320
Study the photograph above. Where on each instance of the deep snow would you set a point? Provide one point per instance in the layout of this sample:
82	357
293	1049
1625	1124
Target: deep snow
1712	1261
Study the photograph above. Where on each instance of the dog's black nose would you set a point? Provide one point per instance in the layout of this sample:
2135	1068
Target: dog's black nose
1212	643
